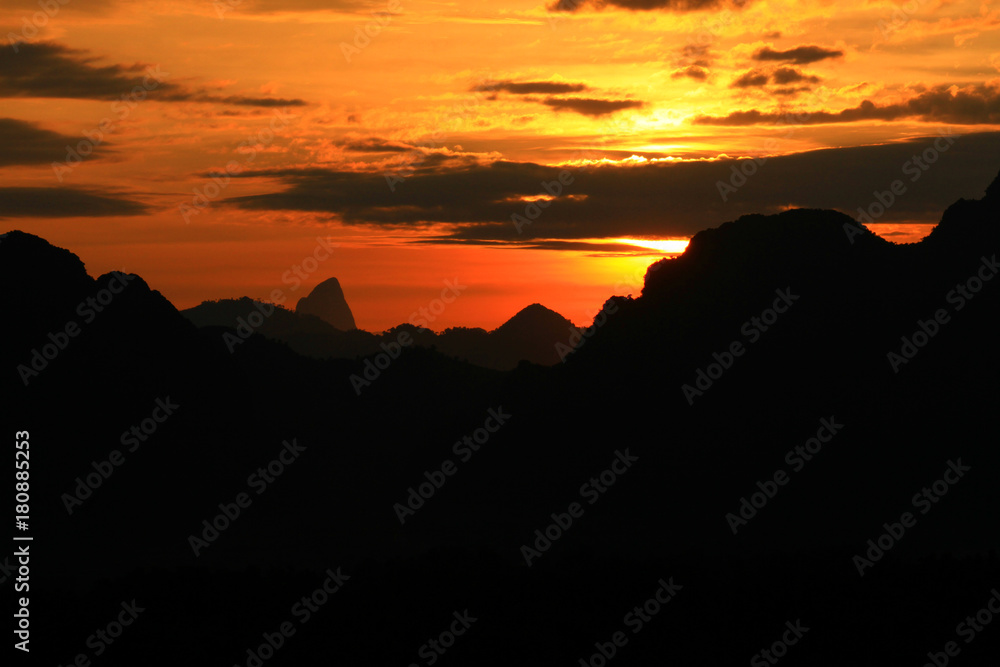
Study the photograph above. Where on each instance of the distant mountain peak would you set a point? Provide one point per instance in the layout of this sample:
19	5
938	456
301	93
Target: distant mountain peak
327	302
533	318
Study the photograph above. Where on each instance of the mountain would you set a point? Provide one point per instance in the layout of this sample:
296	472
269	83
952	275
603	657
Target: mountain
276	320
531	335
794	421
328	303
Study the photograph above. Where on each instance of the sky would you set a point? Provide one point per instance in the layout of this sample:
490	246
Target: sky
530	152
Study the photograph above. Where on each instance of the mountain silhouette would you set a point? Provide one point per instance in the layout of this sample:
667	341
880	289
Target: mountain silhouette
767	333
327	302
531	335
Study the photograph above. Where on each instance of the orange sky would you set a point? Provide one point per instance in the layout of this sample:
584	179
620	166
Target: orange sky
469	109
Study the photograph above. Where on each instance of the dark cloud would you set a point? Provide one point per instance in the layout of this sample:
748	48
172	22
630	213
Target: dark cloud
647	5
667	199
39	202
221	8
781	76
25	144
751	79
789	91
800	55
972	106
591	107
695	50
532	87
692	72
693	62
786	75
376	145
617	249
242	100
50	70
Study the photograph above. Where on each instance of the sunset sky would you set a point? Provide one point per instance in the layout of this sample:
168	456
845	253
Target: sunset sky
207	145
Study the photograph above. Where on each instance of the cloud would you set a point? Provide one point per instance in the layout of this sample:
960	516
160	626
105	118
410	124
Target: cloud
696	51
692	72
693	62
27	144
476	202
590	246
582	105
376	145
647	5
51	70
751	79
42	202
532	87
781	76
974	105
219	9
785	75
800	55
789	91
591	107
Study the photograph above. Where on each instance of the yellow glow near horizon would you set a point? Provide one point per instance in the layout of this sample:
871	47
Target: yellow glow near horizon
669	246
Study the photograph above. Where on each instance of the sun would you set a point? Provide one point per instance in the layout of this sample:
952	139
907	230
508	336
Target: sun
667	246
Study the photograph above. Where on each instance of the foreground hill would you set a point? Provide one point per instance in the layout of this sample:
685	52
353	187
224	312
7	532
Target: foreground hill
794	423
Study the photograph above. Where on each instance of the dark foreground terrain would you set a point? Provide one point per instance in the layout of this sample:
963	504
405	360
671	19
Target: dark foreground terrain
787	443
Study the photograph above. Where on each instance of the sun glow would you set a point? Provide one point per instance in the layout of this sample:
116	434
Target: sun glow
668	246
